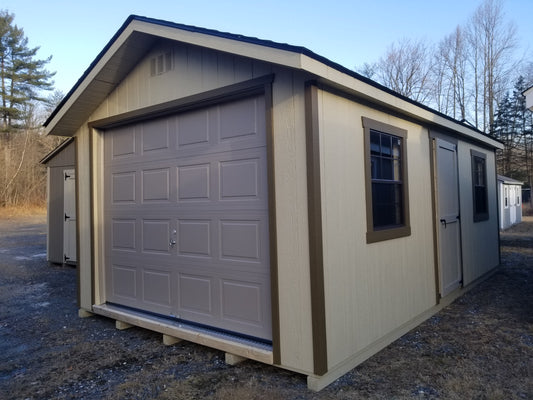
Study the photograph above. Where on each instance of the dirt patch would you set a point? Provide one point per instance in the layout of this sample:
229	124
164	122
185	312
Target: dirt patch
481	346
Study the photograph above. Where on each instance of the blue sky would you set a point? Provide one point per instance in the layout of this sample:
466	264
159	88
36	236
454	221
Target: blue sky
347	32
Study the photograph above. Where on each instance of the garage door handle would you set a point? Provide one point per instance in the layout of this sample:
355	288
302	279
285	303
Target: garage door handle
173	234
443	222
67	216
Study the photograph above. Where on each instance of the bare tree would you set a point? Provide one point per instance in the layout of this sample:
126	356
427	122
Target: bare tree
405	68
492	44
450	75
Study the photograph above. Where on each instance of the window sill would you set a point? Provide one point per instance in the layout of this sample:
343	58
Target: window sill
387	234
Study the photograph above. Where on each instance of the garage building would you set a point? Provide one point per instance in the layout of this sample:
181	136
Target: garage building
260	199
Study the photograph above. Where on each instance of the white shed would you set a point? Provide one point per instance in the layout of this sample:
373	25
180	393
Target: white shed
510	201
528	93
260	199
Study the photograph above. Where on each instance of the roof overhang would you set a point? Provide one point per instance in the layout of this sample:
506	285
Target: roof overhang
510	181
138	34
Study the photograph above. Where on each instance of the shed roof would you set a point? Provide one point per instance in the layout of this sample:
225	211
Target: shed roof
506	179
50	156
138	34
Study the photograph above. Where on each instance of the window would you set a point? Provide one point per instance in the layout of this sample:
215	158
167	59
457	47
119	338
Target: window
387	200
161	63
479	186
506	196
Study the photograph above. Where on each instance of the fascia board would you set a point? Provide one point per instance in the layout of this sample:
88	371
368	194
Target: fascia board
389	101
236	47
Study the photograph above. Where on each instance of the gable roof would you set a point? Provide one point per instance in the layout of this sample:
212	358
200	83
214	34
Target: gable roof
511	181
138	34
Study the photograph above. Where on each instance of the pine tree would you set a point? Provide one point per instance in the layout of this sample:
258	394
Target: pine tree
23	77
513	125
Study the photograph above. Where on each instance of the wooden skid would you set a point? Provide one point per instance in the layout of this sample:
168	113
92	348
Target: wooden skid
167	328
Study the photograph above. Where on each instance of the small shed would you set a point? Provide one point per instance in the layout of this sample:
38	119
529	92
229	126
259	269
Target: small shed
260	199
61	203
528	93
510	201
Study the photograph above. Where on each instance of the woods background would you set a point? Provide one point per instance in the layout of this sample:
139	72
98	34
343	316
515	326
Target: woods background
476	74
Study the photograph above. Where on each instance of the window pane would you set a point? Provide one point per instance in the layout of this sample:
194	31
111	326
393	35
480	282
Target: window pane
386	145
374	143
387	204
397	173
387	169
480	195
396	149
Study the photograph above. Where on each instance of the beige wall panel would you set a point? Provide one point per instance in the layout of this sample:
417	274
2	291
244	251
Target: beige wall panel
194	70
370	289
292	229
84	217
479	239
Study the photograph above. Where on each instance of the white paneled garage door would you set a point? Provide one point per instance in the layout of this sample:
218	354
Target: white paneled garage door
186	217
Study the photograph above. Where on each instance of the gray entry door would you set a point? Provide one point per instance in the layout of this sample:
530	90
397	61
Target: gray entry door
69	218
186	217
449	224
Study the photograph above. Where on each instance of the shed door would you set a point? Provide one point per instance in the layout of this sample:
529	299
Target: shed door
186	217
69	217
449	229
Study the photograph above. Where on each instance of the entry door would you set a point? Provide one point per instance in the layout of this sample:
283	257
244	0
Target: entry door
69	209
449	224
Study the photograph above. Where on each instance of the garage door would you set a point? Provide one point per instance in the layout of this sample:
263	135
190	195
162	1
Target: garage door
186	217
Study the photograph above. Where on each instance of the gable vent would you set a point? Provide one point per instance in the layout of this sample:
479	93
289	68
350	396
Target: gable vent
161	63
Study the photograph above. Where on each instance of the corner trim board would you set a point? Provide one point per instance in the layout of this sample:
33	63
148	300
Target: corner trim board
316	256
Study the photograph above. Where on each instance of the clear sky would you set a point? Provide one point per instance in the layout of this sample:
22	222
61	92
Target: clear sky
349	32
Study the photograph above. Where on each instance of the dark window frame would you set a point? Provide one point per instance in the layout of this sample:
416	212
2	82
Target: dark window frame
480	198
388	232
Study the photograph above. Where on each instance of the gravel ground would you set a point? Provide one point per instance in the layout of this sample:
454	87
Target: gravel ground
479	347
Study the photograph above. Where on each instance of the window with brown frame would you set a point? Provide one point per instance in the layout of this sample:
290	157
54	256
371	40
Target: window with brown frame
387	199
479	186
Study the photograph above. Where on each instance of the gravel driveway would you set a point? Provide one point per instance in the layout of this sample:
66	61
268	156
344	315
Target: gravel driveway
479	347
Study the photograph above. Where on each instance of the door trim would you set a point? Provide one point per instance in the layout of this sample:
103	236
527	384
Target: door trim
257	86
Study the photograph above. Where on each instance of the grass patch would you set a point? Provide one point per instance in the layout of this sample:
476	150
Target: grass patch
23	211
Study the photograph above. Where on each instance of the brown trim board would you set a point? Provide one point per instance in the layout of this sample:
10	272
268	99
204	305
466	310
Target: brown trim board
274	286
433	170
193	102
316	256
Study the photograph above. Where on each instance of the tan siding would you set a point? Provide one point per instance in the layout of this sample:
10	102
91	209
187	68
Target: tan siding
292	229
204	70
370	289
479	239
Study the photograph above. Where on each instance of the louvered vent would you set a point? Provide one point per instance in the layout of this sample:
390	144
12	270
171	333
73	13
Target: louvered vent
161	63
